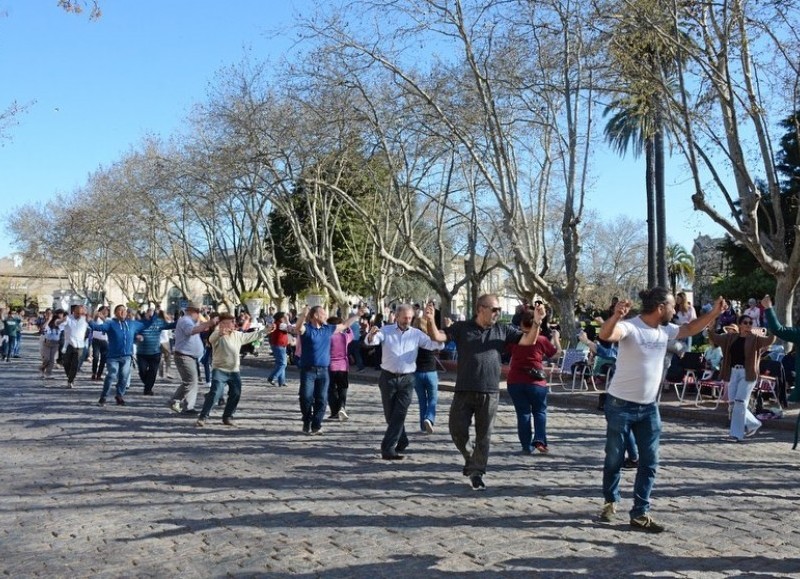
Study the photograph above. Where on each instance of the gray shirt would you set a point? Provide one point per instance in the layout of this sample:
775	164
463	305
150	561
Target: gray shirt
185	342
479	354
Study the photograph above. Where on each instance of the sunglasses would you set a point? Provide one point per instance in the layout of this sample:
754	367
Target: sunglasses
746	323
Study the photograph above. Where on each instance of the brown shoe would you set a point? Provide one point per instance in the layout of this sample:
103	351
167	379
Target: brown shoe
228	422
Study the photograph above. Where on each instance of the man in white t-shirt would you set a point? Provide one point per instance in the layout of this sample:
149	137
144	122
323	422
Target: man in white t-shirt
632	401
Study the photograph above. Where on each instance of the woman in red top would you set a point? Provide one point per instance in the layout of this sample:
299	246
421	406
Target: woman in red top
527	384
278	340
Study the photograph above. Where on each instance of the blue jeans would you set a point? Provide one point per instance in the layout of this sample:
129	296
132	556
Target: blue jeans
644	421
630	446
218	380
530	401
119	371
278	373
206	359
9	345
426	384
313	396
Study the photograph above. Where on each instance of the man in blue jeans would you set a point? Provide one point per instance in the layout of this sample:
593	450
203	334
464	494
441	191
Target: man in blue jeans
632	402
121	334
315	357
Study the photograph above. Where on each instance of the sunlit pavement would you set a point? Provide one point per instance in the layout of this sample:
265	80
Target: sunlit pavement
139	491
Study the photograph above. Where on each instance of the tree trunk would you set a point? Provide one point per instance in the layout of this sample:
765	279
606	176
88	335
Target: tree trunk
783	300
661	207
651	212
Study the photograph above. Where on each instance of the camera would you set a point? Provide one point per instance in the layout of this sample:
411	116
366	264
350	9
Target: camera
536	374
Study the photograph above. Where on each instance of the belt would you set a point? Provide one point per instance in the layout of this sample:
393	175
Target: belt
184	355
737	367
395	374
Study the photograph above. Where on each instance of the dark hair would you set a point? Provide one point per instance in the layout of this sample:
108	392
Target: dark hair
527	319
334	320
652	298
744	317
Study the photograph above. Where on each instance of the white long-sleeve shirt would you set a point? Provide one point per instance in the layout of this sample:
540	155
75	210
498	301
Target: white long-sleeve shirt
75	331
399	353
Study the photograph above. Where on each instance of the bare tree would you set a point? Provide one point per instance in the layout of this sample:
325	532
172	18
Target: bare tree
739	74
516	100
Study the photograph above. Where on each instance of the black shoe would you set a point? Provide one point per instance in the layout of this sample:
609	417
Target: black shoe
102	401
630	464
191	412
221	401
392	456
477	483
148	393
401	446
120	400
307	427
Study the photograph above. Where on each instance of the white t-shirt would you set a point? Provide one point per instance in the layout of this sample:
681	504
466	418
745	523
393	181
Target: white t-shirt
640	361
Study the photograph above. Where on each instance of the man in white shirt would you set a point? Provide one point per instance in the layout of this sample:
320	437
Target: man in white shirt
75	329
632	401
398	364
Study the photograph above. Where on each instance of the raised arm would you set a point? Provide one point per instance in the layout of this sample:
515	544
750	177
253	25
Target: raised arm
532	335
351	320
434	333
788	334
609	331
300	324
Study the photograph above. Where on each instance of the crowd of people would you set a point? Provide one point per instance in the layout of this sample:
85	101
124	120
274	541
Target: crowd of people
405	348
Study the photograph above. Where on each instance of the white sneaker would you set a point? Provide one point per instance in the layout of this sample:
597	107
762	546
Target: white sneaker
176	406
70	384
343	417
753	431
428	425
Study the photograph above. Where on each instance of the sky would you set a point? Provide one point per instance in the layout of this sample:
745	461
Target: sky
97	88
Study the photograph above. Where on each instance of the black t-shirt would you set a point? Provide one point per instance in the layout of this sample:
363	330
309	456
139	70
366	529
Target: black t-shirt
426	360
479	354
736	352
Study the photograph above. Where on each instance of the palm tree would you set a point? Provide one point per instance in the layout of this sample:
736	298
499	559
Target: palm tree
634	124
680	266
646	66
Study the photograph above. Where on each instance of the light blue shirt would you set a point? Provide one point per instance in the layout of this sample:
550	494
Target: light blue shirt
185	342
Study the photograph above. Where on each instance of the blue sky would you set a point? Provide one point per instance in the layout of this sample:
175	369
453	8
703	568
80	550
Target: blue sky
100	86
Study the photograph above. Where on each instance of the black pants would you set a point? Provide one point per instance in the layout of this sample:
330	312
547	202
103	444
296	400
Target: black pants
148	365
99	352
396	393
337	391
72	359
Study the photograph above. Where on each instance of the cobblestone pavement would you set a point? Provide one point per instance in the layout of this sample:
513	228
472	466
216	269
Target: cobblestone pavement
138	491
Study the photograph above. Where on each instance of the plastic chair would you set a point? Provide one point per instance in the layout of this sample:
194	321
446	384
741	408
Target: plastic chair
770	381
717	389
571	362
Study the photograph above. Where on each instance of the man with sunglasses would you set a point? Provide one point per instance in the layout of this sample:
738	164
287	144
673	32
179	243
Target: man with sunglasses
480	342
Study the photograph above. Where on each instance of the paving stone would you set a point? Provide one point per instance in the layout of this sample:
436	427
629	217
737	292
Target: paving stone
138	491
